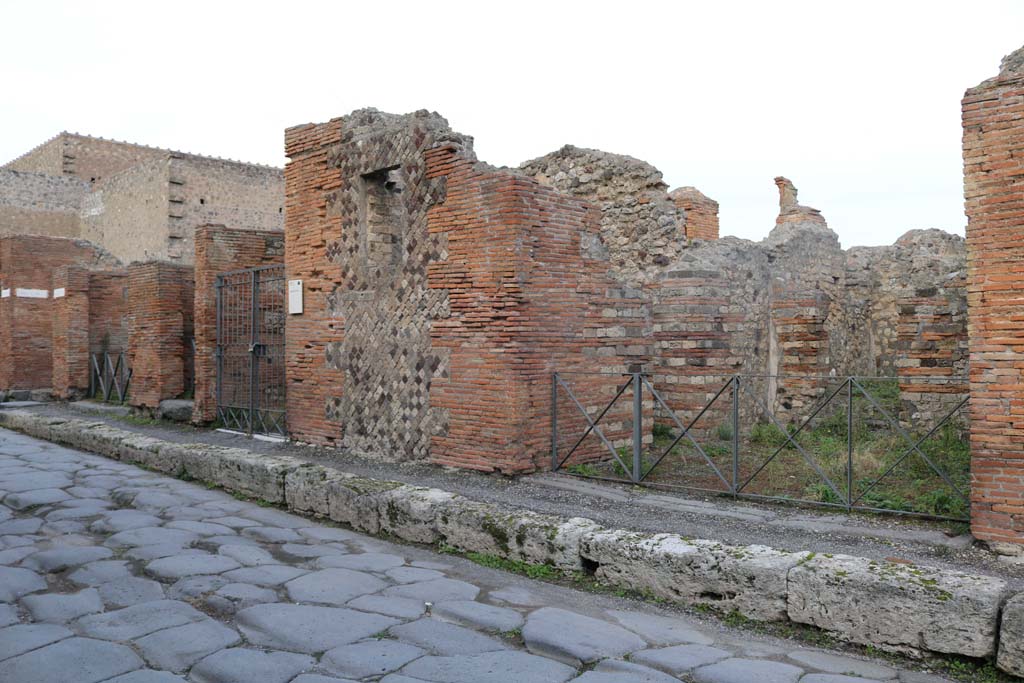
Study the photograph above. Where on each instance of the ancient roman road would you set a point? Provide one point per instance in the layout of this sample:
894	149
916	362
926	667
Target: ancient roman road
112	573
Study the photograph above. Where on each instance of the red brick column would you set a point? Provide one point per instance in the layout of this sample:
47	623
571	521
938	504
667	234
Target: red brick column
161	324
70	332
993	148
218	250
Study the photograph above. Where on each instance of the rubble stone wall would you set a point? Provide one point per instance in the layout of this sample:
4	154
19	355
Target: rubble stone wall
39	204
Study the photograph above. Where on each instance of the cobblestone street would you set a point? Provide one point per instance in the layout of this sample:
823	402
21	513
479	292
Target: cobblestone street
112	573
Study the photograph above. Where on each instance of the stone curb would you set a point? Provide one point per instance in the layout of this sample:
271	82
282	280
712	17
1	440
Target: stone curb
894	607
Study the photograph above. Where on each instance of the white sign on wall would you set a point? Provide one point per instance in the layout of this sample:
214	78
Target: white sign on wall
294	296
31	293
4	293
58	293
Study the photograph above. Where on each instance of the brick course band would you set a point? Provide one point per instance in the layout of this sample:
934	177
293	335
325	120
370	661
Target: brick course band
912	609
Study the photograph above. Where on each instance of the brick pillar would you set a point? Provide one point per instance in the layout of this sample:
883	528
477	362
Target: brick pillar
70	332
701	213
160	301
993	148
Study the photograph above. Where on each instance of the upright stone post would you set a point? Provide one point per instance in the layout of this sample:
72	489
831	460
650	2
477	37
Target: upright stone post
993	149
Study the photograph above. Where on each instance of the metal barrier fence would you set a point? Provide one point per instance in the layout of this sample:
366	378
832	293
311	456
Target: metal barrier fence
861	444
109	378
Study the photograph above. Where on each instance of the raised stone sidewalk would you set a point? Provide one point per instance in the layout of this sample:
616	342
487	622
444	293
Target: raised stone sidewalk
896	607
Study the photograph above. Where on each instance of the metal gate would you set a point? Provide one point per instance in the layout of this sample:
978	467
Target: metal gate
250	350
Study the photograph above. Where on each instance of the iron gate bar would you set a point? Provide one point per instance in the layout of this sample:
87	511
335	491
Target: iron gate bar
790	439
593	424
915	447
686	432
250	349
557	380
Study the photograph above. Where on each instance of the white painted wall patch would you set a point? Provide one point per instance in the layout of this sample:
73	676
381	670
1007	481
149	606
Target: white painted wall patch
32	293
58	293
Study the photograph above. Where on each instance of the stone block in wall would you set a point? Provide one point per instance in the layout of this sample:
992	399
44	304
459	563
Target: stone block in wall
897	607
1011	637
750	580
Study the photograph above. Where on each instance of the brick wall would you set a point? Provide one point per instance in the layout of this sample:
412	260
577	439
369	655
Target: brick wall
160	315
440	295
993	149
27	267
220	249
89	317
70	331
701	213
932	348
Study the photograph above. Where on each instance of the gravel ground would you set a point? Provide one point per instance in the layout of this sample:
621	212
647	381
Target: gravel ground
779	526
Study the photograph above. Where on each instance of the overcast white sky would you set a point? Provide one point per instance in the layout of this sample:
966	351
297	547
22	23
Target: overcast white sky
857	103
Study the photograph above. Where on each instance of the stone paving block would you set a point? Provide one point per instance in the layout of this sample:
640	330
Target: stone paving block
195	586
20	638
241	665
156	536
403	608
306	628
368	562
489	667
65	556
265	574
129	590
81	660
8	615
576	639
679	658
13	556
839	664
431	591
101	571
834	678
60	608
138	620
370	658
27	525
445	639
190	565
16	582
897	607
246	595
27	499
413	574
659	630
747	670
247	555
176	649
333	586
317	678
271	534
147	676
311	551
201	528
327	534
479	615
122	520
616	671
